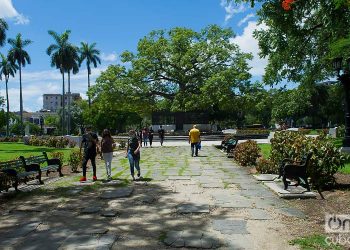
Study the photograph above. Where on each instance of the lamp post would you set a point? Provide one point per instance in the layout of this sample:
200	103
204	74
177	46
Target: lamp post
344	78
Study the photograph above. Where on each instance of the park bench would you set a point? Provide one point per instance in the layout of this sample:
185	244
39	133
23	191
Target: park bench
46	165
229	146
295	170
13	172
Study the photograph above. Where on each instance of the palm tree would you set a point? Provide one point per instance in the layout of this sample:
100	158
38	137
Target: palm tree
3	28
60	53
72	65
90	54
18	55
7	69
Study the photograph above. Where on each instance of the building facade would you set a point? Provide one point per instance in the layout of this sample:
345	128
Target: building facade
53	102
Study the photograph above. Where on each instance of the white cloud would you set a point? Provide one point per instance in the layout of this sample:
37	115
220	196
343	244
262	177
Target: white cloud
231	8
37	83
245	19
112	57
8	11
248	43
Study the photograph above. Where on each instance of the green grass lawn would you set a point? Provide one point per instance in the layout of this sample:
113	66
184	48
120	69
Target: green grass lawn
265	150
10	151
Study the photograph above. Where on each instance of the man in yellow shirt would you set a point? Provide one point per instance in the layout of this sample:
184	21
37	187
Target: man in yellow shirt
194	138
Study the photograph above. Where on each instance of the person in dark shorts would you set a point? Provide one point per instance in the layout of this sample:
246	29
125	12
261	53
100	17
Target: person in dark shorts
161	133
89	143
133	153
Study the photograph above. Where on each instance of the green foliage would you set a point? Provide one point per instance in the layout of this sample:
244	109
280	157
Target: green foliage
265	166
252	131
9	139
74	160
325	161
341	131
246	153
58	155
179	69
297	42
314	242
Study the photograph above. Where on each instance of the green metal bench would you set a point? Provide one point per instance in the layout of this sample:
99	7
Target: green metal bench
46	165
13	172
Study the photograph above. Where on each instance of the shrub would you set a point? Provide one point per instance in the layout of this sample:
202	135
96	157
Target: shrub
58	155
265	166
325	161
246	153
252	131
122	144
51	142
74	160
72	143
62	142
341	131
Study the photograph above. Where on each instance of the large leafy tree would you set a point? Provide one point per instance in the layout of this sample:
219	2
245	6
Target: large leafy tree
298	42
187	70
90	54
7	69
18	55
3	28
61	53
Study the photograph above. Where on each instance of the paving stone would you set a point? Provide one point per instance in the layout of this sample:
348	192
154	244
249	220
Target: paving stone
292	192
21	230
179	178
112	183
292	212
75	191
231	226
259	214
265	177
109	213
118	193
213	185
193	208
91	231
84	183
191	239
88	242
47	239
29	208
91	210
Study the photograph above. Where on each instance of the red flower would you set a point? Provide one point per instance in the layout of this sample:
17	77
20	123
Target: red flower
286	4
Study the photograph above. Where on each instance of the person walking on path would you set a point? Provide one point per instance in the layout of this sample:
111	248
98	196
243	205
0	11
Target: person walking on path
107	144
133	153
89	142
139	134
194	138
150	136
161	133
145	135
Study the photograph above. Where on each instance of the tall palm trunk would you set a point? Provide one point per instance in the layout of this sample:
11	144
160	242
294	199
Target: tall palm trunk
8	108
69	99
89	87
63	104
21	98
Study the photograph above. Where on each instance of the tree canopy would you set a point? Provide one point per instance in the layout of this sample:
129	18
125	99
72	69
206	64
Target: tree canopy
179	70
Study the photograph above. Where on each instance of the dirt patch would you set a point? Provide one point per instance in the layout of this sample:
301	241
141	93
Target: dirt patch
336	202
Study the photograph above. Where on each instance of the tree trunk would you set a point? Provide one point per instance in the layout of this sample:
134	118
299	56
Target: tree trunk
63	104
69	99
89	87
21	99
8	108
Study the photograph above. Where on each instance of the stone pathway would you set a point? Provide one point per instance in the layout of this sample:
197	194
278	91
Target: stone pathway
205	202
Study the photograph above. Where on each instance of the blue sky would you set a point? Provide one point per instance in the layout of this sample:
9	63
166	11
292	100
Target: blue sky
115	25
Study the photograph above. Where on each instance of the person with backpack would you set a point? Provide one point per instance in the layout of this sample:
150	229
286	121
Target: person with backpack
133	153
89	142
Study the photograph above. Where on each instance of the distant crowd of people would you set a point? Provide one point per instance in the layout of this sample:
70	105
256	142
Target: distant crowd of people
91	147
